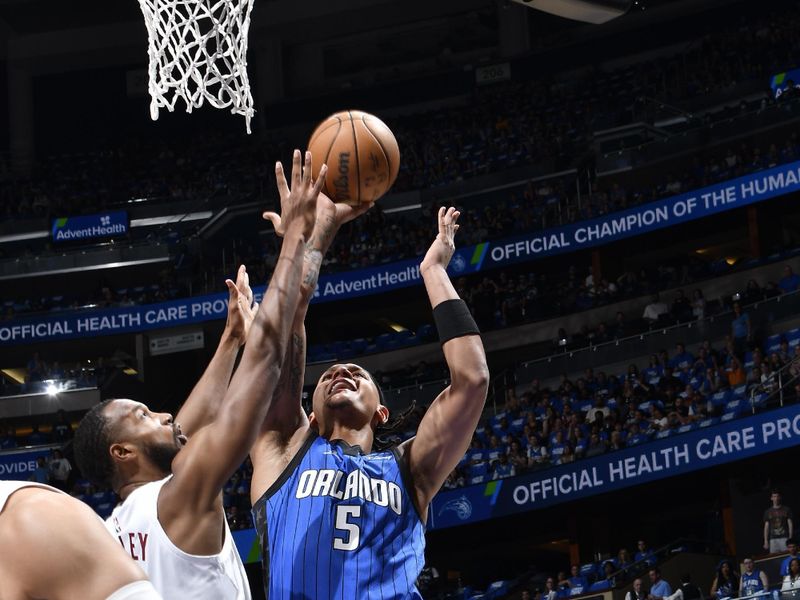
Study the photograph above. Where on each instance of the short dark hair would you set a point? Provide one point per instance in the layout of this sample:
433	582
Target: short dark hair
91	443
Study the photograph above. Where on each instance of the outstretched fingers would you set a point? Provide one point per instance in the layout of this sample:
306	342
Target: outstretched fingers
323	171
297	171
280	178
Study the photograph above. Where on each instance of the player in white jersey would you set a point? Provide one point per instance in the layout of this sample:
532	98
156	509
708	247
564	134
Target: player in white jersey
54	547
170	474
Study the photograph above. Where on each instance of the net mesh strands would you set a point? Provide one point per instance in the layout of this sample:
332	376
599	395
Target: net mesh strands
197	51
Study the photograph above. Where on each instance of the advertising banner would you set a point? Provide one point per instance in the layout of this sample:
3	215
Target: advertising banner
639	220
87	227
19	465
674	455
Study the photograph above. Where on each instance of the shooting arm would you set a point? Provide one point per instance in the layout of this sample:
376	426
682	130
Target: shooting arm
213	454
446	429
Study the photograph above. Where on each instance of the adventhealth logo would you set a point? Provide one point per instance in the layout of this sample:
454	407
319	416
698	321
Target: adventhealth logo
91	226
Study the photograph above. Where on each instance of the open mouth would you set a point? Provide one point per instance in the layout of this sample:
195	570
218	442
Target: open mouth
341	385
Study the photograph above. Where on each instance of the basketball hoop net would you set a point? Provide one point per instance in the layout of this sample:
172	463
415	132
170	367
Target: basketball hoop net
198	52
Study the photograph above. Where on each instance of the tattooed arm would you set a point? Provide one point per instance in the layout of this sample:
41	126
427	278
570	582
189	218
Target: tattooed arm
286	424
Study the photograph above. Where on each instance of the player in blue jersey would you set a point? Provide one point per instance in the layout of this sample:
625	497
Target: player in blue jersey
336	518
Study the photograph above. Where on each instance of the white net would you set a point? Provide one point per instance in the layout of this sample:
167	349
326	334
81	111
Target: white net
198	52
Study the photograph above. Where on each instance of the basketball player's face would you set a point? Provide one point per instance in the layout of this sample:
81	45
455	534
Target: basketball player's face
345	392
154	434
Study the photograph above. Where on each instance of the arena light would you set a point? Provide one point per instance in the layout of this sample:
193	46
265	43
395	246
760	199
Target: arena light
51	389
588	11
193	216
398	209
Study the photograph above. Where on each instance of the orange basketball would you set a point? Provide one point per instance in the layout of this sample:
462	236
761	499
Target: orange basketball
361	153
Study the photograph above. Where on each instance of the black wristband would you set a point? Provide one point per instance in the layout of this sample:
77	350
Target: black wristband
453	320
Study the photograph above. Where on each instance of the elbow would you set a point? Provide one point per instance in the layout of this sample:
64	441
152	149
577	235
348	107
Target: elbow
475	381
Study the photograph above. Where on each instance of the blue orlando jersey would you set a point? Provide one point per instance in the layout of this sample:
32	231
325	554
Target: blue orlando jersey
340	524
751	583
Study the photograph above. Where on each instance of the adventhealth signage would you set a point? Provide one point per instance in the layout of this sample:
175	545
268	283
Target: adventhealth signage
86	227
675	455
668	212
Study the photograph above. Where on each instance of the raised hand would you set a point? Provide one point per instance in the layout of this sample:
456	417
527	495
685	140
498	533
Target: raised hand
298	204
241	308
330	216
443	247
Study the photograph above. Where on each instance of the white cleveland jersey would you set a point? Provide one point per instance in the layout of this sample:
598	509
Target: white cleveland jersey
173	572
9	487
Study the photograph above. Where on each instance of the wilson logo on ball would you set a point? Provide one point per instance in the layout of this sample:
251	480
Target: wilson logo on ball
361	153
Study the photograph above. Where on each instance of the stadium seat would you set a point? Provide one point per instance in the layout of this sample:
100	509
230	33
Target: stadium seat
708	422
727	417
664	434
760	400
737	406
739	392
600	586
721	398
497	589
687	427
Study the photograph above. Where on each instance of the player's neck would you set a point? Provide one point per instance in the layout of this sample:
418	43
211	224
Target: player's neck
353	437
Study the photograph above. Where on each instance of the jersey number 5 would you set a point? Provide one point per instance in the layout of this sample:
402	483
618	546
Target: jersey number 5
350	532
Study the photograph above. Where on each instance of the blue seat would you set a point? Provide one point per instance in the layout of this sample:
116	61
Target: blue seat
358	345
663	434
727	417
748	361
737	406
709	422
383	340
600	586
721	398
760	400
477	480
739	391
687	428
497	589
589	570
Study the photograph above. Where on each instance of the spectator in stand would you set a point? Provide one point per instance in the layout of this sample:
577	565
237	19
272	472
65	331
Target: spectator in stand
62	428
753	581
778	524
681	307
736	373
654	310
741	329
550	590
596	446
41	474
610	573
503	468
752	292
791	547
682	358
790	280
636	592
60	470
659	588
577	582
687	590
36	437
643	553
726	582
698	304
791	581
